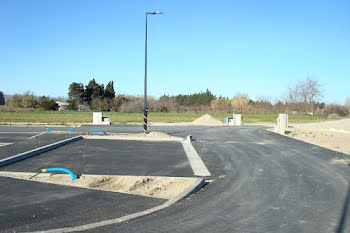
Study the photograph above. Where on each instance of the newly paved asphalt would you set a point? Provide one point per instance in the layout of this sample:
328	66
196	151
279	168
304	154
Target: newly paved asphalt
11	137
112	157
20	145
178	130
263	182
33	206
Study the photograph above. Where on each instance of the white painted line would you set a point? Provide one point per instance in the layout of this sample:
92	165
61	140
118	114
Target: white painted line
198	167
37	135
194	188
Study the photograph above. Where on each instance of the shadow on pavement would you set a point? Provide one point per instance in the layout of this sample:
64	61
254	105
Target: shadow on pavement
344	215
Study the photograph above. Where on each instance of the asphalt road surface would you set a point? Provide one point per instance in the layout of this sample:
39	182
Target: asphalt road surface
110	157
263	182
32	206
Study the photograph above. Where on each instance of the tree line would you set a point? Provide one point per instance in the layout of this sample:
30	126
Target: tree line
29	101
304	97
94	96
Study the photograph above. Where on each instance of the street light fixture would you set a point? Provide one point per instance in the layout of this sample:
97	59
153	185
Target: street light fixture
145	109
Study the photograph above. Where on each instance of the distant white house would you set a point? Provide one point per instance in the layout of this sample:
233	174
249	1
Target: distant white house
62	106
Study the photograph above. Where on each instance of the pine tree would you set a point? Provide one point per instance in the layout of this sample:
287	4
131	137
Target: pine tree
109	91
2	98
76	91
94	90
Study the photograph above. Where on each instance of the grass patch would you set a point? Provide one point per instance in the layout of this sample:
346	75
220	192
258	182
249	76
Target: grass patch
55	117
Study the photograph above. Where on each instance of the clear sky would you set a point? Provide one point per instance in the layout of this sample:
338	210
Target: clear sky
256	47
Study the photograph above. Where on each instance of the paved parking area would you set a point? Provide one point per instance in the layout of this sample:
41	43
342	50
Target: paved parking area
21	144
263	182
183	130
112	157
11	137
34	206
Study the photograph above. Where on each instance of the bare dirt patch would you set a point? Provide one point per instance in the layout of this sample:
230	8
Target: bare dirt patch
342	125
203	120
161	187
154	134
333	135
4	144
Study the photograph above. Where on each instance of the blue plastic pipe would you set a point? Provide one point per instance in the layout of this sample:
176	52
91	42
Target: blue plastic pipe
98	131
70	129
52	169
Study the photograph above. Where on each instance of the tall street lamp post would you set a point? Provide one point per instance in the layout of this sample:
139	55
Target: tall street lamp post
145	109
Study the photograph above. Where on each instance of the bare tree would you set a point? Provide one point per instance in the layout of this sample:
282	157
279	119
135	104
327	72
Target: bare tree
292	96
240	102
309	91
304	94
347	102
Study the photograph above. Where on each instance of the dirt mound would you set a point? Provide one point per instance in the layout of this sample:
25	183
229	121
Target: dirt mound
158	134
333	116
154	134
207	120
162	187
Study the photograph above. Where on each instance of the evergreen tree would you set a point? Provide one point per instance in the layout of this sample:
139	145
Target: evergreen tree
2	98
76	92
109	91
89	89
203	98
47	104
93	90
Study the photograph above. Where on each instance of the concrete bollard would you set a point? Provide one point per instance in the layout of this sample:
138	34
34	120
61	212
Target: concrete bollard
238	119
282	123
284	120
99	118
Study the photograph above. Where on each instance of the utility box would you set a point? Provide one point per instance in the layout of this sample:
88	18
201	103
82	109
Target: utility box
282	123
238	119
100	118
229	121
235	120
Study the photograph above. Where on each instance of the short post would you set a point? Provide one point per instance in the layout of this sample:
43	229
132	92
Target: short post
145	114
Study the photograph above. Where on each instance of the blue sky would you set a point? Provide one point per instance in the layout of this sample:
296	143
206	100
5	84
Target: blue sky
255	47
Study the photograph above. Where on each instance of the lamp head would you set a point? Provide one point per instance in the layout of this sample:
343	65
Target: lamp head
154	13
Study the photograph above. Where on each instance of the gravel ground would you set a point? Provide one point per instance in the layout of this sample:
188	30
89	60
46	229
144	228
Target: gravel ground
334	135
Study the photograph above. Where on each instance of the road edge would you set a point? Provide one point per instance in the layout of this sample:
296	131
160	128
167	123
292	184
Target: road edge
197	185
